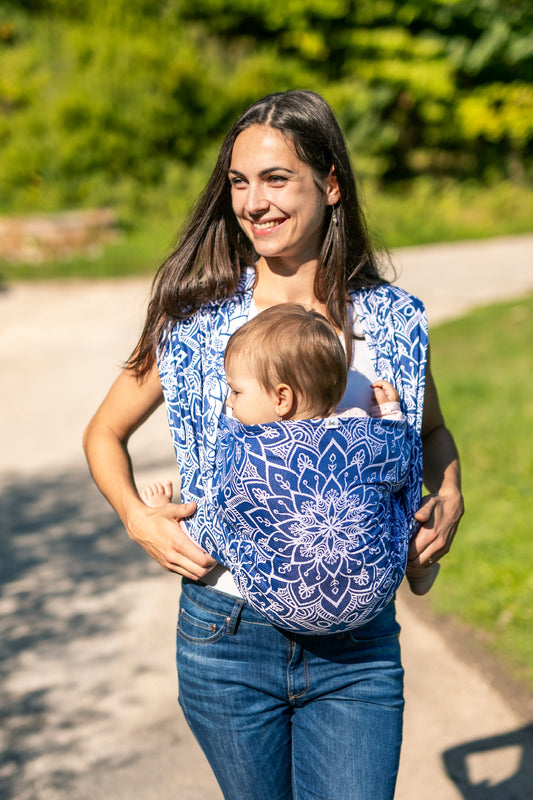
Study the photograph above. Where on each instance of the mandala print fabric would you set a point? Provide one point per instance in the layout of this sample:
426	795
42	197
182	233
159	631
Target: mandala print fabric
311	533
191	367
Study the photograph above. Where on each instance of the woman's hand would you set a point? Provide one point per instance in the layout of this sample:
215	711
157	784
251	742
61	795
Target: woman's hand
158	531
128	404
439	516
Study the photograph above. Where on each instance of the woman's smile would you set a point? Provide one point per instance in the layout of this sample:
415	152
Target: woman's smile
270	226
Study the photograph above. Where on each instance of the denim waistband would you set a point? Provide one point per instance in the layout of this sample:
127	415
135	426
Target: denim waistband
236	610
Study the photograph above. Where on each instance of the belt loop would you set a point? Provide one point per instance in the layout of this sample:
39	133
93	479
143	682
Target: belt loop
233	620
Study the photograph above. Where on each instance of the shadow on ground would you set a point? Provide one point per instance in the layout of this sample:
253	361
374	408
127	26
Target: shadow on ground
67	576
465	766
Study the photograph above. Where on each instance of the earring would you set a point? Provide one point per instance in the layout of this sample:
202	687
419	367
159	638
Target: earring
334	216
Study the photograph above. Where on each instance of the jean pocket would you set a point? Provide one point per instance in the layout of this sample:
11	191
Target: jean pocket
366	640
201	625
379	631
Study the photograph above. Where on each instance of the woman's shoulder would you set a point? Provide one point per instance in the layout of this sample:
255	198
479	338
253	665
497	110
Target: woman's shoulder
395	295
204	329
217	312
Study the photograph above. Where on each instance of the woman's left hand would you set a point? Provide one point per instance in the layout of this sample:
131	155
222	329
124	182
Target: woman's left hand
439	517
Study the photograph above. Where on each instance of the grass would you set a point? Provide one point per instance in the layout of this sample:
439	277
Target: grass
482	365
421	212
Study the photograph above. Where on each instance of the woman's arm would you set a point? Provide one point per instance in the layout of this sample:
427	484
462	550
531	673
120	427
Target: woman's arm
128	404
440	511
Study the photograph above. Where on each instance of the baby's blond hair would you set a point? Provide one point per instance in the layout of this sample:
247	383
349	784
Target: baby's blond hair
290	344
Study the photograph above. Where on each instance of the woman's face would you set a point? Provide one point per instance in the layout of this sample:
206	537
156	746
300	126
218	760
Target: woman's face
275	196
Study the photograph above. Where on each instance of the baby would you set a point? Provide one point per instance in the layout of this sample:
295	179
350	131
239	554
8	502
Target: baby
287	365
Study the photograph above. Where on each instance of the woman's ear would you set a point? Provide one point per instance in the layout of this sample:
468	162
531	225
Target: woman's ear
284	400
332	190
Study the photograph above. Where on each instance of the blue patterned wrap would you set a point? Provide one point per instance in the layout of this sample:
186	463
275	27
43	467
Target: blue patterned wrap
191	365
314	533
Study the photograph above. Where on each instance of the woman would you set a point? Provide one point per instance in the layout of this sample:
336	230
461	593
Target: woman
279	715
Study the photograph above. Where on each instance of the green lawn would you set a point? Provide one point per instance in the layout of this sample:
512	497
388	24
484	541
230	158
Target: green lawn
484	370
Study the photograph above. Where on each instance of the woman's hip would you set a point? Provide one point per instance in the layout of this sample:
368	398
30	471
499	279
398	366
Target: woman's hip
220	635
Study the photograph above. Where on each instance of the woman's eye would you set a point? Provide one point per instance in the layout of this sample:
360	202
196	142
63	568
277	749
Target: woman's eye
236	181
277	179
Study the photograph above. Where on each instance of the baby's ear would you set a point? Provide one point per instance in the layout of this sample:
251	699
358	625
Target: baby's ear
284	400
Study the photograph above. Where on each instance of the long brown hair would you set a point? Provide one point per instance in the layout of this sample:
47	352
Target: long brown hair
213	251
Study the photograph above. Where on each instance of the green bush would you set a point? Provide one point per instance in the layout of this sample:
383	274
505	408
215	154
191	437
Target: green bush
108	103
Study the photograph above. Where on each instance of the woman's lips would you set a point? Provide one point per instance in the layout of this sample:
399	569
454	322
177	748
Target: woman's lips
266	227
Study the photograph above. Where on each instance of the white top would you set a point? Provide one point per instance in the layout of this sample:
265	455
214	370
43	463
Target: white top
358	394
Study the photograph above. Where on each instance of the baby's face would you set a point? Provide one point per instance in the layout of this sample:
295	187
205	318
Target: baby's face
250	402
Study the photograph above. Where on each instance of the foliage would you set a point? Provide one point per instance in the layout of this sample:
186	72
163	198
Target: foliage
482	367
426	85
103	103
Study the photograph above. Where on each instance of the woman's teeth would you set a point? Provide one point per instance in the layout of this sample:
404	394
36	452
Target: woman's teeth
264	225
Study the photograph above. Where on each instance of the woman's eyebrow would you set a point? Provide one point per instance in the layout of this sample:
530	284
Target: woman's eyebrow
263	171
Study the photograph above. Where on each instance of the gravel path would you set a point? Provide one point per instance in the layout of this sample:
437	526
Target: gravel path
87	681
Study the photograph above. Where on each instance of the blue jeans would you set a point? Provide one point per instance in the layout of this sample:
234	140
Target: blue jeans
284	716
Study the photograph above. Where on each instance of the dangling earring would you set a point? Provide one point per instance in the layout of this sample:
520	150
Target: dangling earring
334	216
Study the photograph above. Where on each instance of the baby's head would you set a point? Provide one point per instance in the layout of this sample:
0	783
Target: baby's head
285	363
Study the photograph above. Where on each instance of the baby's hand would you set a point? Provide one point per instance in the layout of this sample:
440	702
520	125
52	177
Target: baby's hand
384	392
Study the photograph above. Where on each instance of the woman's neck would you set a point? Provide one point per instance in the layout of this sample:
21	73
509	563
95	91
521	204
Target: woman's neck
280	283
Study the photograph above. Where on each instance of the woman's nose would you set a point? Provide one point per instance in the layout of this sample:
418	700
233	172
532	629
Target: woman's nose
256	200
